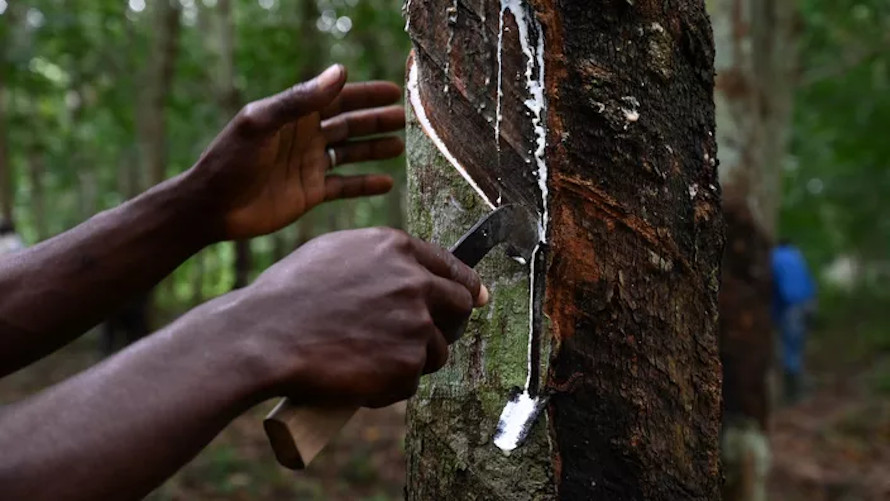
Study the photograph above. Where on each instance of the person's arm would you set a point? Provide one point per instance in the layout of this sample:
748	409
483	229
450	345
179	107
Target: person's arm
61	287
355	317
268	167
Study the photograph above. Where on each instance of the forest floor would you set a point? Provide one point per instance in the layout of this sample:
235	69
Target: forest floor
833	446
364	463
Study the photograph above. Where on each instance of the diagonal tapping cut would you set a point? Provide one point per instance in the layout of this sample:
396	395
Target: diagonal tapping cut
524	406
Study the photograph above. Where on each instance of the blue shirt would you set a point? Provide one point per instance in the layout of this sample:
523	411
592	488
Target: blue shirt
792	283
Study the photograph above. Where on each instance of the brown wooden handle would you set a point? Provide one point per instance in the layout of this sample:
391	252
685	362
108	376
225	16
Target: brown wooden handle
298	433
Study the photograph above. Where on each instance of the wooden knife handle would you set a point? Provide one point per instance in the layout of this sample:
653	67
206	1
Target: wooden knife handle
298	433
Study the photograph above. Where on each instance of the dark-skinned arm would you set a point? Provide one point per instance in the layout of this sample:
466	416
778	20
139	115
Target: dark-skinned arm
267	168
354	316
56	290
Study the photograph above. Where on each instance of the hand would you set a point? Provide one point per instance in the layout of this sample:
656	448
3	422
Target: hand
268	166
356	317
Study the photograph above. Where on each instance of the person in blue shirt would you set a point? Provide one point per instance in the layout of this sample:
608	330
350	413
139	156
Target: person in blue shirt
794	294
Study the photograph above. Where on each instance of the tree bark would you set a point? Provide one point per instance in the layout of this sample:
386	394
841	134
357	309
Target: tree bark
755	55
601	121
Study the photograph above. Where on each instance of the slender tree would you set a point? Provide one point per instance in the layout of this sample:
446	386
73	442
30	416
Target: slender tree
600	120
36	172
151	122
229	100
312	52
158	81
755	67
6	189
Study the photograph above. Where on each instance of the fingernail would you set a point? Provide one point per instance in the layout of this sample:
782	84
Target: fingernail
330	76
483	298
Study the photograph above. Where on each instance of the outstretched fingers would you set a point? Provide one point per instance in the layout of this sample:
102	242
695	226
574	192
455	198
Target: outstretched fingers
267	115
368	150
363	123
363	95
364	185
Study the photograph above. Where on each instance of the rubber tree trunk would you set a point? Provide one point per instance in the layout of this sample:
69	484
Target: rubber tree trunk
601	121
755	65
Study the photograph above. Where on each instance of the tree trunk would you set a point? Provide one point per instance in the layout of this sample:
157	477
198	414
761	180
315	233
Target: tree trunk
6	187
312	54
229	100
151	114
158	81
36	170
755	54
601	121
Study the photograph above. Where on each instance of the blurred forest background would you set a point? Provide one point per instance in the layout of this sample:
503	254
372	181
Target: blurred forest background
100	99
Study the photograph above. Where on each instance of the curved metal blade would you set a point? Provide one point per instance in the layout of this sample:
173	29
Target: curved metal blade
510	224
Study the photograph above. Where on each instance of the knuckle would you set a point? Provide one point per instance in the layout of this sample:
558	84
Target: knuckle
465	302
248	119
407	365
399	239
388	237
424	321
301	88
416	283
466	276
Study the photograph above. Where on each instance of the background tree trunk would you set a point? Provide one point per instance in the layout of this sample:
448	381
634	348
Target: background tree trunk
312	52
230	102
619	150
151	130
158	81
755	65
36	171
6	188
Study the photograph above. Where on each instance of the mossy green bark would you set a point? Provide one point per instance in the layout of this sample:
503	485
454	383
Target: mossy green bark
453	417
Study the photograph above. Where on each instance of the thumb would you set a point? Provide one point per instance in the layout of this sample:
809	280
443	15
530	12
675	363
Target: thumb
272	112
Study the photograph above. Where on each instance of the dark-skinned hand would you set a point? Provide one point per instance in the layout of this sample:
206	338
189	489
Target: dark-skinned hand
356	316
353	317
270	164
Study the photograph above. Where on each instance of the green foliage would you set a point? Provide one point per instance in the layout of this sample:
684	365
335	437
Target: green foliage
837	189
75	78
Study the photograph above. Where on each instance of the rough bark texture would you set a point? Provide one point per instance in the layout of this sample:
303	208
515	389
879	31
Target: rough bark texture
754	62
630	350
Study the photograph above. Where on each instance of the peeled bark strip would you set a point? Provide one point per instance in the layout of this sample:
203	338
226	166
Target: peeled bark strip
624	180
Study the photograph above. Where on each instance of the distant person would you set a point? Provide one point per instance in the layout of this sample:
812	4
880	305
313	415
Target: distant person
794	295
10	241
